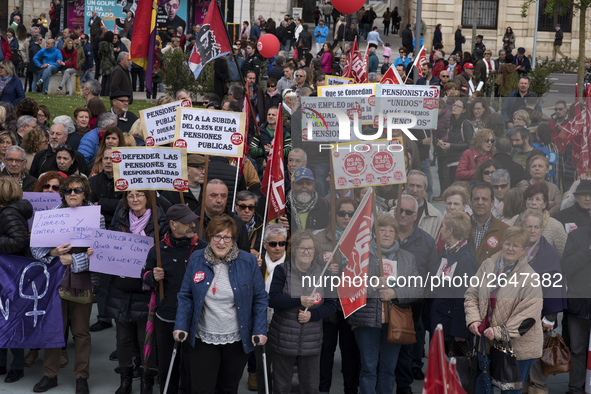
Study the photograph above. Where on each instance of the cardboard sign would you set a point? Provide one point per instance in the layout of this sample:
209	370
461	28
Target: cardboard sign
332	80
42	202
117	253
158	123
66	225
421	101
318	116
374	163
366	92
210	132
156	168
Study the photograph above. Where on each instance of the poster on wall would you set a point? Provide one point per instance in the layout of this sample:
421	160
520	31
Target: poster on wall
75	13
173	13
108	11
201	8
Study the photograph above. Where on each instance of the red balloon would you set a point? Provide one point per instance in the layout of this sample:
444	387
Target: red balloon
348	6
268	45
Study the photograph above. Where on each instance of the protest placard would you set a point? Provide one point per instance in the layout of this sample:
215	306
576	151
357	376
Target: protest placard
158	123
210	132
318	116
365	92
66	225
42	202
332	80
374	163
420	100
117	253
155	168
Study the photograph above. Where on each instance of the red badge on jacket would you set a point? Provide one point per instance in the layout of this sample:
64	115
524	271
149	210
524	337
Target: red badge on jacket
199	276
492	242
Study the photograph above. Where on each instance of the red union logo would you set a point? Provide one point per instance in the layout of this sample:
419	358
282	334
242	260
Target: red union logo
370	178
356	182
371	100
384	180
317	298
121	184
351	111
237	138
199	276
186	103
430	103
342	182
435	91
180	144
116	157
180	184
150	141
398	175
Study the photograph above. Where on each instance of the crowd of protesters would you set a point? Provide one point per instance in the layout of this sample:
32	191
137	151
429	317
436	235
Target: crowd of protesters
510	208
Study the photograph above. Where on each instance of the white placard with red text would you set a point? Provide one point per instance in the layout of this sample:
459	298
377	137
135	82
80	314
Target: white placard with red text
158	123
154	168
419	100
366	92
210	132
369	163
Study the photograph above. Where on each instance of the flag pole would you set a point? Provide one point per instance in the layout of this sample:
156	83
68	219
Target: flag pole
344	235
204	187
380	257
236	182
266	207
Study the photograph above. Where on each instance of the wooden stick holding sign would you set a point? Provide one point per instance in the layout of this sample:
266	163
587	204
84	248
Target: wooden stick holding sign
377	235
151	168
202	213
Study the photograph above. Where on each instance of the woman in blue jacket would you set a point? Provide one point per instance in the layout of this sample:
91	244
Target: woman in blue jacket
222	307
11	87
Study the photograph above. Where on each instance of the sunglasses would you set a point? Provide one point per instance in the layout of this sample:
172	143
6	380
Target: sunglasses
444	76
76	190
490	140
487	172
499	187
274	244
245	207
299	76
342	214
55	188
407	212
272	86
558	109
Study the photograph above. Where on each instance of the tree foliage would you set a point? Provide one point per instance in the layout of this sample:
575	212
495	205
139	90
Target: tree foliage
176	74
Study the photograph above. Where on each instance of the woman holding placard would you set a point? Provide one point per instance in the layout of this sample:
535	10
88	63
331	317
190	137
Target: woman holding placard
76	292
14	239
127	301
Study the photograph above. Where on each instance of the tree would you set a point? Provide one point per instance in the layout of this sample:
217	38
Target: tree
579	6
176	74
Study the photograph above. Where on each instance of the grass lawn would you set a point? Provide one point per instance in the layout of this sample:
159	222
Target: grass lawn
65	105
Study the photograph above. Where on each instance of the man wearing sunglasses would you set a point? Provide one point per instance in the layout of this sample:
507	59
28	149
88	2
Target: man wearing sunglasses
501	182
15	161
245	208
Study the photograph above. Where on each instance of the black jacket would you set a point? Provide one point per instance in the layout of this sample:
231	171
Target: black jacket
33	49
276	72
407	40
28	181
14	232
121	82
558	37
221	77
576	267
305	39
515	169
174	255
318	216
45	161
103	193
575	214
220	168
175	198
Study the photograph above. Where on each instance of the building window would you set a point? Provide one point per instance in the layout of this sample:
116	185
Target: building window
560	15
487	13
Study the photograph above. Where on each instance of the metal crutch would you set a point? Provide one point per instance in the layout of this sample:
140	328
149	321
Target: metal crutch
256	341
174	350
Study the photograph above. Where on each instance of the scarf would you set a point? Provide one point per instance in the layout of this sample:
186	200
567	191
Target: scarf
271	268
297	207
4	83
212	259
138	225
275	93
490	66
500	268
455	247
250	225
532	251
76	283
286	107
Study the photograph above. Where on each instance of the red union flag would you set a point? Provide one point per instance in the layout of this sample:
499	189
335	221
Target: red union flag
573	127
581	144
356	67
419	61
391	77
273	184
441	376
355	247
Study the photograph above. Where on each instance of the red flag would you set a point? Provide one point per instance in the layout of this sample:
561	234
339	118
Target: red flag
356	67
391	77
355	246
581	144
273	184
572	128
441	376
211	41
419	61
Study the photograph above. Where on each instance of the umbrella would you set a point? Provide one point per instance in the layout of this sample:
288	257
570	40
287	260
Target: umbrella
483	383
149	340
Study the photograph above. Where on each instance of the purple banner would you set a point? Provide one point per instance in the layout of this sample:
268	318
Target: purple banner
30	305
75	14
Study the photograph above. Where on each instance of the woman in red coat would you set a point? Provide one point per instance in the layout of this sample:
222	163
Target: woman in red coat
482	148
70	55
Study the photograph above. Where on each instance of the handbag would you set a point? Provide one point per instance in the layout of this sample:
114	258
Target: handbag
473	370
504	370
86	297
401	327
556	356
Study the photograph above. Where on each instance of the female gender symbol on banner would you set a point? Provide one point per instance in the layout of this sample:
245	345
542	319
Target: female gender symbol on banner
35	296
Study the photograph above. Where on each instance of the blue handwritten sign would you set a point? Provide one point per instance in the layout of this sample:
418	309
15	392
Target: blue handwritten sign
42	202
30	305
66	225
117	253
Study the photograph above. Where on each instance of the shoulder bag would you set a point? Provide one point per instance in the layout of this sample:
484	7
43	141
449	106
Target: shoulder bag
401	327
504	370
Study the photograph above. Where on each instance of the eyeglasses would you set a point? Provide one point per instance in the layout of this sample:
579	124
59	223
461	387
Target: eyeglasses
300	76
490	140
218	238
502	186
76	190
17	161
55	188
458	106
274	244
509	245
342	214
444	76
123	101
559	109
305	250
407	212
271	86
245	207
135	196
487	172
